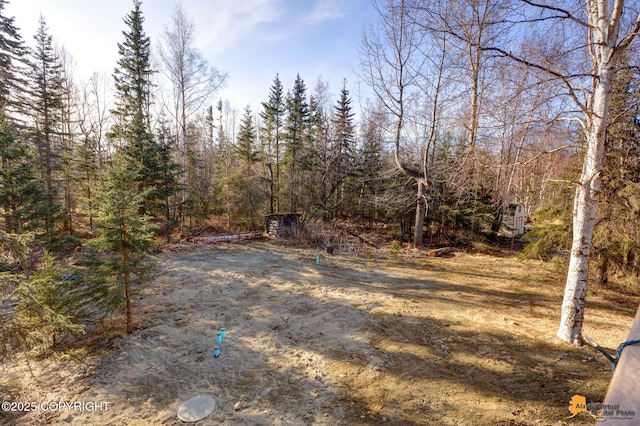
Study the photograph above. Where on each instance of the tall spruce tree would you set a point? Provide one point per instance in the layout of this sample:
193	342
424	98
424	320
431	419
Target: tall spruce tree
297	119
273	124
133	100
343	146
133	74
315	161
46	91
246	141
371	163
247	155
12	57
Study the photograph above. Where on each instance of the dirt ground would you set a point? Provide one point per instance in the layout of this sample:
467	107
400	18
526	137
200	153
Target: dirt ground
462	340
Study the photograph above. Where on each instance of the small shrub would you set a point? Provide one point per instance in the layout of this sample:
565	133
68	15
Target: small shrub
37	310
394	233
368	254
394	250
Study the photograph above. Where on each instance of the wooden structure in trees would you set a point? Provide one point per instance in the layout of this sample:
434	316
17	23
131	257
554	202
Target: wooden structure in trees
514	218
283	225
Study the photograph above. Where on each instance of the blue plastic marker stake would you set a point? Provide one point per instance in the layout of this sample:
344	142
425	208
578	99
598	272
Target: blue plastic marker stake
317	259
223	332
216	352
219	338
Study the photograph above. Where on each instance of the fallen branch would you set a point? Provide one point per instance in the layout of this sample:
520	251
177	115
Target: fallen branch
440	251
227	238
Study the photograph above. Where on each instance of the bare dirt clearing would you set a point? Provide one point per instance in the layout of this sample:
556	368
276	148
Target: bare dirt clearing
464	340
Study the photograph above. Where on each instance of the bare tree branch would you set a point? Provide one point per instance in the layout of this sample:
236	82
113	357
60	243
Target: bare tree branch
564	14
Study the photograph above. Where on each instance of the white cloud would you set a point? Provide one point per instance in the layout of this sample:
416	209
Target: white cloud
221	24
326	10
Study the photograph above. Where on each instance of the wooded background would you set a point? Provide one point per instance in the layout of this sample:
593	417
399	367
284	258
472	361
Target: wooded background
478	104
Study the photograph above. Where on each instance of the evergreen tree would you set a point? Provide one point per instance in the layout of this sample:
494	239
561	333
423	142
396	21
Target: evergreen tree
295	132
46	107
12	54
133	99
14	249
314	161
371	163
245	147
22	194
23	197
122	232
167	185
246	180
133	74
42	312
343	147
273	122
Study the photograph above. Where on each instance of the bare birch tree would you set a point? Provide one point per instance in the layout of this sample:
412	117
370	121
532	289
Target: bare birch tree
603	24
94	113
610	27
193	82
394	65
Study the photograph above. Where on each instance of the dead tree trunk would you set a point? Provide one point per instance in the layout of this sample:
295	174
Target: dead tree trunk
421	213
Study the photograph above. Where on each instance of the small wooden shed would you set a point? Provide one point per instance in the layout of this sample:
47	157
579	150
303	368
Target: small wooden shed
283	225
514	218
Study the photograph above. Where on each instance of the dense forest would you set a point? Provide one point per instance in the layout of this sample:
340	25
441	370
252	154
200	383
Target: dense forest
469	117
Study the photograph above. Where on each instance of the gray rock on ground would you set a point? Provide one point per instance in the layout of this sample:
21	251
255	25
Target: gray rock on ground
197	408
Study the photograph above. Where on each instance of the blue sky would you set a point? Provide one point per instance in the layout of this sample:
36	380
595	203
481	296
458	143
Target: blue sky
251	40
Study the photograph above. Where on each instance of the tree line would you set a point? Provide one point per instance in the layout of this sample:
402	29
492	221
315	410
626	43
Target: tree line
467	118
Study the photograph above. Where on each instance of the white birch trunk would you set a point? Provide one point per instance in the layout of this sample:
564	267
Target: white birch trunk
421	213
585	210
605	50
